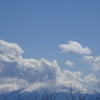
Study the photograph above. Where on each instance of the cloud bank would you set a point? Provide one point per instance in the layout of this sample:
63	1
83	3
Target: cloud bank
17	72
74	47
69	63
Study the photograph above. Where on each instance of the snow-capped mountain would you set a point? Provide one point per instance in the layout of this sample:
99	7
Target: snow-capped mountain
50	90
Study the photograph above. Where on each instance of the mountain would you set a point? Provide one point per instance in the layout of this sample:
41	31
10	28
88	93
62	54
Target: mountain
44	90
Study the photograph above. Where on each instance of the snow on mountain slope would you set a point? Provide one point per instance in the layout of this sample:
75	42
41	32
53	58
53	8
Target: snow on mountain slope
41	89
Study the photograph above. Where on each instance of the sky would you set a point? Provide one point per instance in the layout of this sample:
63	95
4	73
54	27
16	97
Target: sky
62	34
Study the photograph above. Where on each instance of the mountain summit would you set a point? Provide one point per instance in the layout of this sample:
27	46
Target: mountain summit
50	91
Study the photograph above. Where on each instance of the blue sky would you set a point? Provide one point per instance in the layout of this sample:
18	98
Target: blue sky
39	27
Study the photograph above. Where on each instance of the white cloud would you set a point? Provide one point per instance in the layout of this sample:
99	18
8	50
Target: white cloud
74	47
69	63
13	66
91	81
10	84
10	48
94	61
91	78
17	72
72	75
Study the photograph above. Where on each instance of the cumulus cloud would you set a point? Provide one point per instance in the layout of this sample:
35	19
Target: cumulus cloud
74	47
94	61
69	63
17	72
10	48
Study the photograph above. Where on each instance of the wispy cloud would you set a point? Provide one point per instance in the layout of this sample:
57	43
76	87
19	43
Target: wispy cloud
69	63
92	81
74	47
94	61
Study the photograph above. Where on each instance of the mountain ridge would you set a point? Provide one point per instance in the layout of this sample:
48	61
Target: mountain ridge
42	89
